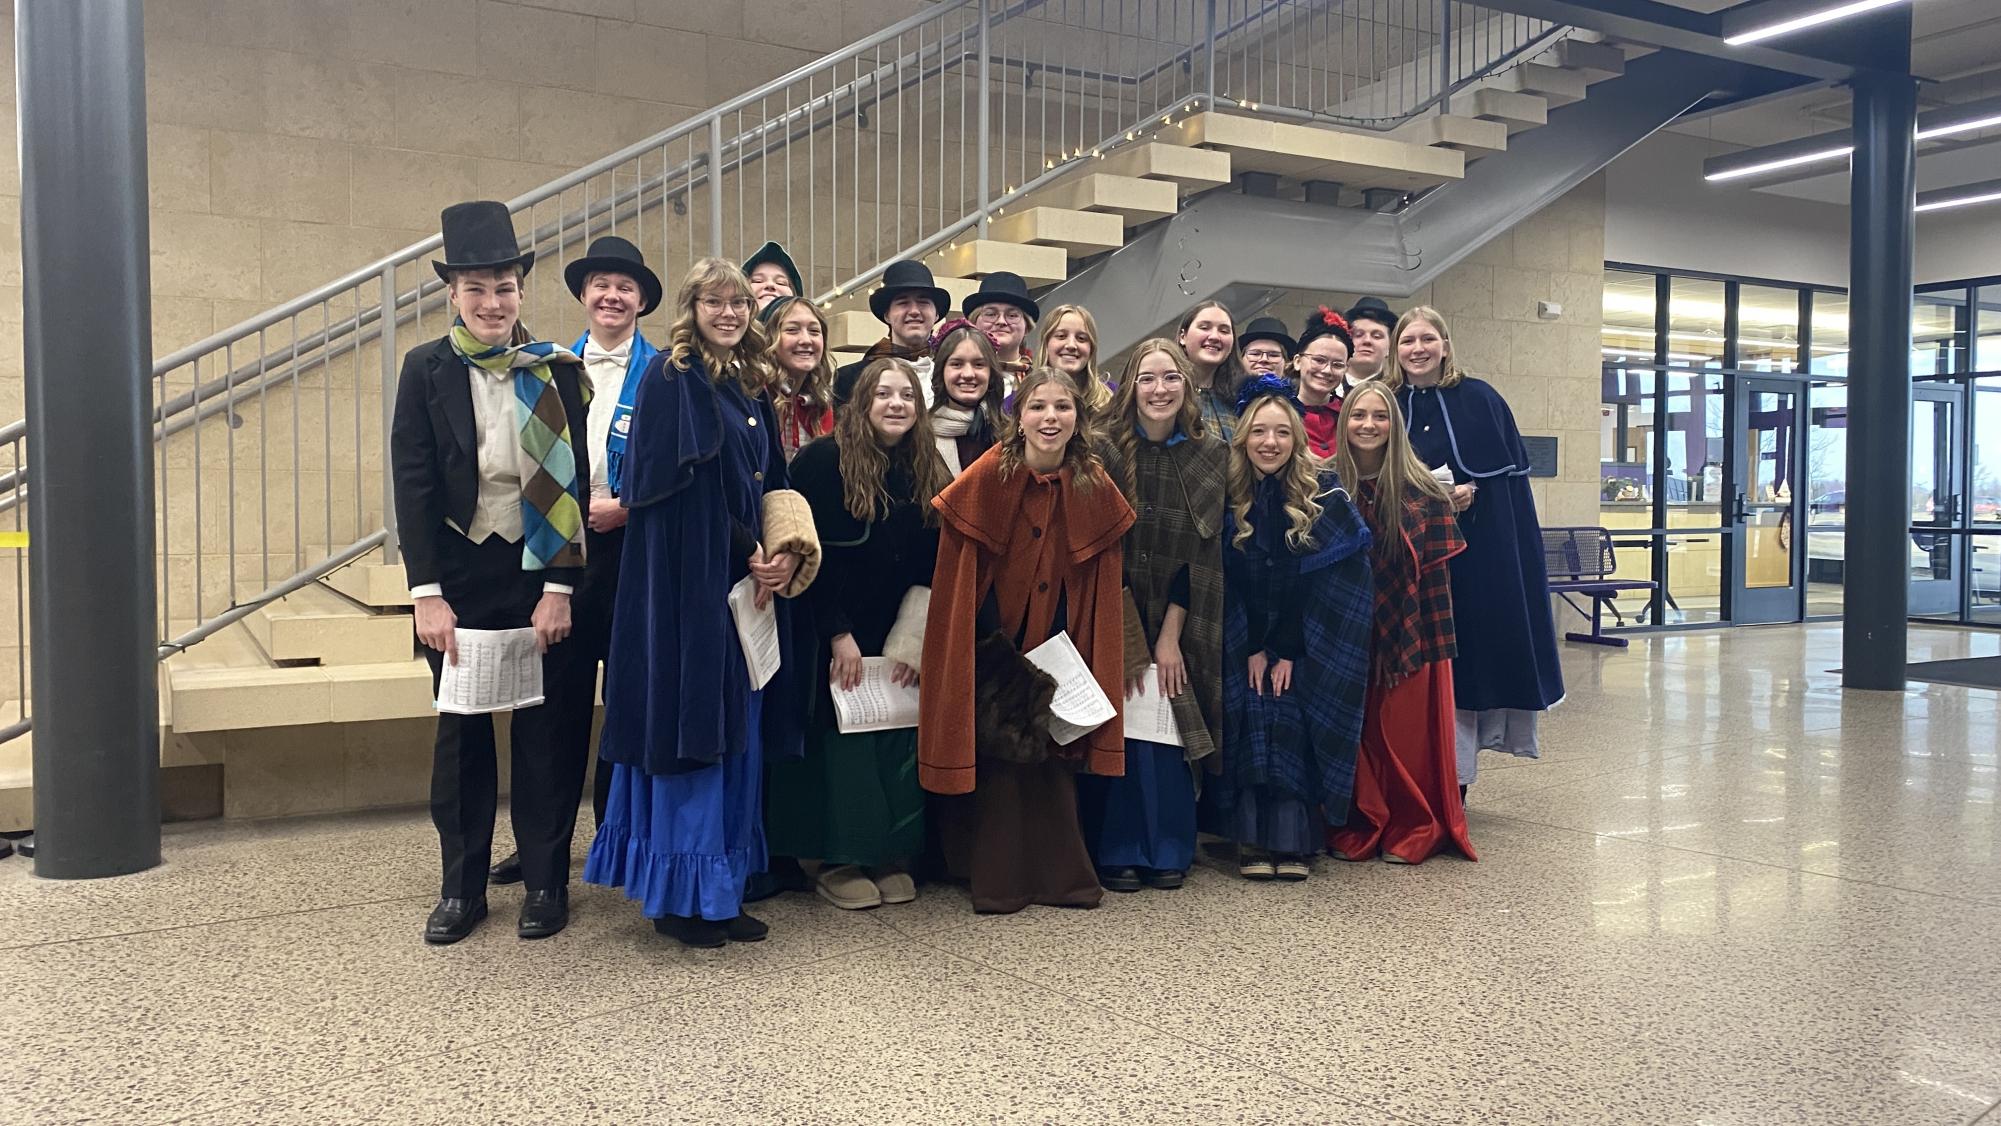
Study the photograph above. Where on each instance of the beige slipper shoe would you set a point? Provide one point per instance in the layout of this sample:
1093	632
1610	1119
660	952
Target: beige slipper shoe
847	887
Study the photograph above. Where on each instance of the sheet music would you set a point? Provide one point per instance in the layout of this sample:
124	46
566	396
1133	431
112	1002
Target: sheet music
1080	706
1149	715
498	670
756	631
877	703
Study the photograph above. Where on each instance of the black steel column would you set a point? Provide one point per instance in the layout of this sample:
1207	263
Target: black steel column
1882	233
84	274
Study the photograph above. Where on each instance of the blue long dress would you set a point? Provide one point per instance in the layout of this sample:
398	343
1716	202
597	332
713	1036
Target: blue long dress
684	733
1507	671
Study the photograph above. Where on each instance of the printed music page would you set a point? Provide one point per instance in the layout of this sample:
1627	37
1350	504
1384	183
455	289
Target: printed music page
1080	706
756	632
1149	715
498	670
877	703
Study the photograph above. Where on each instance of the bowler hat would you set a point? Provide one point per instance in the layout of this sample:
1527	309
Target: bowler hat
1269	328
480	236
1373	309
614	255
1005	288
775	255
907	275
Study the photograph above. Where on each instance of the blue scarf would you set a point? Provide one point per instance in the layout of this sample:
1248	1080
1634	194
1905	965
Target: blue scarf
621	419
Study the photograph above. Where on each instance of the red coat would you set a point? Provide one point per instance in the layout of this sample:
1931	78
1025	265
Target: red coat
1037	541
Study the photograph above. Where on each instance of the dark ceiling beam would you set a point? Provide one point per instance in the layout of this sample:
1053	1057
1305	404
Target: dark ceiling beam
1834	53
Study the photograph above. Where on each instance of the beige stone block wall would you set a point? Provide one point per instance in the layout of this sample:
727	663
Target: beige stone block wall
1548	370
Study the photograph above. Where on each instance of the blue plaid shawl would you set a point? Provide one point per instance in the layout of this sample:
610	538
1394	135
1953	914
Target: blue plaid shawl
1302	744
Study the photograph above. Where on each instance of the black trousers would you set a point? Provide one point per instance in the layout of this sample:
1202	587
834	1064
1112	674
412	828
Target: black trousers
487	589
590	638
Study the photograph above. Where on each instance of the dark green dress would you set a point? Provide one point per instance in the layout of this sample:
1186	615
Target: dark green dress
854	799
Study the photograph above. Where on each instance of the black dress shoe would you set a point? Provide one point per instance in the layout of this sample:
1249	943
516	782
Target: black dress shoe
544	913
693	932
452	920
507	871
746	928
1119	879
1166	879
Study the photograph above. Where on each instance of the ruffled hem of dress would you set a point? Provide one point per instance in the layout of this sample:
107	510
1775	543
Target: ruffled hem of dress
686	884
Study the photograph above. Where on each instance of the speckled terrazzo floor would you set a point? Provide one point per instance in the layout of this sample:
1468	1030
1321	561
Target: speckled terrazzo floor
1731	893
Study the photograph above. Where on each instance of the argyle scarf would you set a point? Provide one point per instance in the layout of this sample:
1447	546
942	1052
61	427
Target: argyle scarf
552	511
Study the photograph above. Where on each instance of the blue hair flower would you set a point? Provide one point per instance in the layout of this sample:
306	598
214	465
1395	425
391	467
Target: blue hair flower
1267	387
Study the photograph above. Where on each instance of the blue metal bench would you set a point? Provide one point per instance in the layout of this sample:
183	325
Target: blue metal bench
1582	561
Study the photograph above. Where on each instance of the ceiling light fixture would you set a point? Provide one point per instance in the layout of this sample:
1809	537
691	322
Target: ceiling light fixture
1966	195
1809	19
1946	121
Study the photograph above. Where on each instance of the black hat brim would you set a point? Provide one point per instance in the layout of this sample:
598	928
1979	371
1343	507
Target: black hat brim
878	302
975	300
649	282
1291	345
447	269
775	254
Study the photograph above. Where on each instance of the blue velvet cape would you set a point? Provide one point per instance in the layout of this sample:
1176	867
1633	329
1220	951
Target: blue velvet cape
700	458
1500	590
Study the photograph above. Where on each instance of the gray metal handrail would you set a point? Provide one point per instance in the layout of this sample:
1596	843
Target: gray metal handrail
1036	91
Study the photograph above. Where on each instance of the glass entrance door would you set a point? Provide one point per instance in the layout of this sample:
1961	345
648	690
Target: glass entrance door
1938	499
1765	508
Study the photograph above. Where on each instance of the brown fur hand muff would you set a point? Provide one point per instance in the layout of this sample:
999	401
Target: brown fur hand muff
1011	701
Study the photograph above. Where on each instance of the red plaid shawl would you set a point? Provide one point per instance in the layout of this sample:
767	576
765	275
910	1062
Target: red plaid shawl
1413	625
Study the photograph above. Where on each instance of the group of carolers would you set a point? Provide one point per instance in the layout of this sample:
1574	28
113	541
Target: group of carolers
1321	549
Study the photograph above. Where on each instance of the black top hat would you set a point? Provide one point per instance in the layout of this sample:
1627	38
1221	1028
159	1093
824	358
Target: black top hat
480	236
614	255
905	276
1005	288
1268	328
775	254
1373	309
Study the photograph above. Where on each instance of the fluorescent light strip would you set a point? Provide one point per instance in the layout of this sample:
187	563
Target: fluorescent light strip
1959	127
1776	165
1812	19
1962	201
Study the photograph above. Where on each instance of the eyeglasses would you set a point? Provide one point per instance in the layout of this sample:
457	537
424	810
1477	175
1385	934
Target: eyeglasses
1272	354
713	305
1321	363
1151	379
999	314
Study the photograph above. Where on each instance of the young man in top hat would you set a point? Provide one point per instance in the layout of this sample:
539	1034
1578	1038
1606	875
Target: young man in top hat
910	303
772	275
1370	323
490	467
1002	309
616	288
1266	347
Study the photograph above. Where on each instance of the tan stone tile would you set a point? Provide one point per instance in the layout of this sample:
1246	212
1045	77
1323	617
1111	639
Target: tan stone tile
583	125
185	86
1466	290
619	10
505	179
10	160
177	167
562	43
298	257
205	256
1542	244
474	116
430	34
1538	348
203	25
332	99
389	762
802	24
709	19
179	322
863	18
284	772
405	189
263	176
657	64
737	66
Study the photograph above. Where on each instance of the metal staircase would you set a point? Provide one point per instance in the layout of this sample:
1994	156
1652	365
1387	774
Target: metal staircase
1061	139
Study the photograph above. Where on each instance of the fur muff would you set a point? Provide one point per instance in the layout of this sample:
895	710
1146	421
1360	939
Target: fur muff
1011	702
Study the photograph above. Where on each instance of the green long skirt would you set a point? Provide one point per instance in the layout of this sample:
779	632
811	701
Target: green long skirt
852	799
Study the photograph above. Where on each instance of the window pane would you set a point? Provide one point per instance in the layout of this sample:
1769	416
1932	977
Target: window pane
1629	317
1695	323
1625	447
1827	496
1987	348
1936	344
1694	578
1768	328
1987	578
1694	451
1830	334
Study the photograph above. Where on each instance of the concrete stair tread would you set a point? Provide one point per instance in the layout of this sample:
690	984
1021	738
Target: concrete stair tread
978	257
1515	110
315	624
1470	135
1307	152
1157	160
1134	199
1554	85
371	583
1077	233
1593	62
220	698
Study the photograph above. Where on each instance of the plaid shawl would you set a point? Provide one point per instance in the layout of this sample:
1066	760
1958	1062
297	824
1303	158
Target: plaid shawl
1179	497
1413	615
552	510
1302	744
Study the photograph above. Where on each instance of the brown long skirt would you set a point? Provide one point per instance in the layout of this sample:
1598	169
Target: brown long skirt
1017	840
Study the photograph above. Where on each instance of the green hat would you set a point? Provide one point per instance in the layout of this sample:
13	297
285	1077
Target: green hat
775	255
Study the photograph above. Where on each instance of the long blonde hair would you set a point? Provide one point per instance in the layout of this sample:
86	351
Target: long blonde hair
1449	373
1300	477
744	363
865	461
1077	453
818	387
1402	474
1120	428
1092	392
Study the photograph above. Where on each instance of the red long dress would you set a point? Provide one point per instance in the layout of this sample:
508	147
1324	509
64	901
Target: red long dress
1407	800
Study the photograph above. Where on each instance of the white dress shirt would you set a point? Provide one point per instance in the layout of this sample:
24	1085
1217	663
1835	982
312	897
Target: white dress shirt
497	430
606	370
